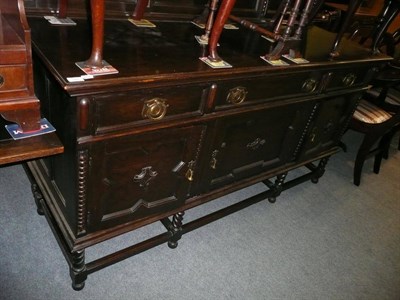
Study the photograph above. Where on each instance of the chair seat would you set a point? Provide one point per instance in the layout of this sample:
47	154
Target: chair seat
369	113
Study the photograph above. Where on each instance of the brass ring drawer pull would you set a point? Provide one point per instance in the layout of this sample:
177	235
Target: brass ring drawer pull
309	85
155	109
349	79
237	95
1	81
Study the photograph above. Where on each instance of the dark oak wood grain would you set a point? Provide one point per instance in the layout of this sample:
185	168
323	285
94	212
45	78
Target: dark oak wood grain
169	133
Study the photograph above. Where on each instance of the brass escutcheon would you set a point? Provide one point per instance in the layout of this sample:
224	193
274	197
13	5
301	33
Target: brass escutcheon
236	95
1	81
257	143
155	109
190	173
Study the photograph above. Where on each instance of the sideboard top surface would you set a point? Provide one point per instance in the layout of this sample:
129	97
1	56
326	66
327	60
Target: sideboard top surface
169	54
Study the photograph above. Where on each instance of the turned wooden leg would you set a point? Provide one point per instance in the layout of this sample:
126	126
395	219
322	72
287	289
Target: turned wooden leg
140	7
210	20
38	196
362	154
222	16
62	9
36	192
78	270
277	187
320	170
351	10
176	230
96	57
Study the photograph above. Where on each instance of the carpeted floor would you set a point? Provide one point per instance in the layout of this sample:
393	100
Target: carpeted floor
332	240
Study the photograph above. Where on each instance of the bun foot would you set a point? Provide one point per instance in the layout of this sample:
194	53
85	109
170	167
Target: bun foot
78	286
172	245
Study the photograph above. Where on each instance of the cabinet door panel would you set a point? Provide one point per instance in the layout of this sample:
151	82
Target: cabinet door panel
329	123
138	176
252	143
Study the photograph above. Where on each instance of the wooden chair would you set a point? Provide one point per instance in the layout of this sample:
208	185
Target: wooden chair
389	99
378	118
378	127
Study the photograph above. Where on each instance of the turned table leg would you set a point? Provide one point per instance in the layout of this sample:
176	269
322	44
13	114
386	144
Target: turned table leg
210	20
276	187
139	9
222	16
78	270
176	230
320	170
96	58
62	9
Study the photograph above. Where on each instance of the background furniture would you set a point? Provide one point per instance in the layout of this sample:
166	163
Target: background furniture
374	117
18	103
378	127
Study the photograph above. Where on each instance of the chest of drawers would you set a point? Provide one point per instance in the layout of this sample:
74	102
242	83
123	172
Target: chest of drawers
168	133
18	103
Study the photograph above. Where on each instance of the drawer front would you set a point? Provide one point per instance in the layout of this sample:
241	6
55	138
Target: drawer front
345	78
12	78
143	107
266	88
139	176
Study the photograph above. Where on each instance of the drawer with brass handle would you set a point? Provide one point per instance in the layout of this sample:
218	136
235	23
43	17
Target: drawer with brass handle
345	78
122	110
265	88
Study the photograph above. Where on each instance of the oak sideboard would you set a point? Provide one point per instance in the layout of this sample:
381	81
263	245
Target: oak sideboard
168	133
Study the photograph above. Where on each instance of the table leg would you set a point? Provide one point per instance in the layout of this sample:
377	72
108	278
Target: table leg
139	9
62	9
96	58
222	16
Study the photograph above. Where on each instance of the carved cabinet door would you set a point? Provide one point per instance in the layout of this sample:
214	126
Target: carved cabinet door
328	125
134	177
255	142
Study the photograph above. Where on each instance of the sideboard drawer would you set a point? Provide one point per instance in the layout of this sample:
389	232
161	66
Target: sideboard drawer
144	107
12	78
265	88
345	78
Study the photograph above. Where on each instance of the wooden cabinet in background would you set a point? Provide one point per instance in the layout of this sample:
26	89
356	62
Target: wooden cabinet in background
18	103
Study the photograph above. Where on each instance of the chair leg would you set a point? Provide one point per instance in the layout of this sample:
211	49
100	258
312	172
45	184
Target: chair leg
398	148
389	136
383	151
362	155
